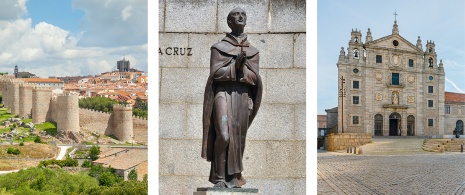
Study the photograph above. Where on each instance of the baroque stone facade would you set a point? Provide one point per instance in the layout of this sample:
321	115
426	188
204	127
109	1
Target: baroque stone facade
391	87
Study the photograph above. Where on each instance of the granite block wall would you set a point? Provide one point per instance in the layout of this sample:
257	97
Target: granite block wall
274	157
341	141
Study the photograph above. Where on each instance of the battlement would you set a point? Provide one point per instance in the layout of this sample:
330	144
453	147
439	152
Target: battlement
122	107
26	85
37	88
95	111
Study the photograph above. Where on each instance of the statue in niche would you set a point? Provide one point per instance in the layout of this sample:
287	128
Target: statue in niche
395	98
231	101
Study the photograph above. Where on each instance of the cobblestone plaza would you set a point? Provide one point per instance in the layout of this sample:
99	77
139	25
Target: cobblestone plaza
416	172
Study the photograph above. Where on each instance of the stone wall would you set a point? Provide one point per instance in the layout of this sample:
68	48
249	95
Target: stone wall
140	127
94	121
274	159
67	113
40	104
25	99
341	141
104	123
64	110
122	122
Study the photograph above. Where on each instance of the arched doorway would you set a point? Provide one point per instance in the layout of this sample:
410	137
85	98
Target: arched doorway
459	126
378	124
411	125
394	124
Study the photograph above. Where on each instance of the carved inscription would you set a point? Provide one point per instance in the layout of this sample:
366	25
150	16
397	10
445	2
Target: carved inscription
176	51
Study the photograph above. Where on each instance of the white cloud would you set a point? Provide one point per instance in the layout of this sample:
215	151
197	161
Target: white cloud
12	9
110	23
126	13
48	50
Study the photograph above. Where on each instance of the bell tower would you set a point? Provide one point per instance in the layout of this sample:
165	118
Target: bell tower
430	54
355	45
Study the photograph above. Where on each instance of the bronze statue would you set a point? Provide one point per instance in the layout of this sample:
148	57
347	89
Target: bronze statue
232	98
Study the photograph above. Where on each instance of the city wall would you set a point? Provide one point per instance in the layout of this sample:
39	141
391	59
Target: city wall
274	158
341	141
28	100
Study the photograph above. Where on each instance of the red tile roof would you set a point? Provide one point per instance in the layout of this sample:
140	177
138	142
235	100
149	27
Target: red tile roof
123	159
450	97
42	80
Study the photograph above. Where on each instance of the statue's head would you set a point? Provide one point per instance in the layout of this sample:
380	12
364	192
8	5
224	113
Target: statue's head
237	18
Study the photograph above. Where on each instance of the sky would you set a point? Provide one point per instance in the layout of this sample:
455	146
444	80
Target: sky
72	37
440	21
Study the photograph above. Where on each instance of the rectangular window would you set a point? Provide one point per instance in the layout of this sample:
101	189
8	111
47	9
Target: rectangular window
355	120
447	109
430	89
430	103
395	78
430	122
355	99
410	63
355	84
379	59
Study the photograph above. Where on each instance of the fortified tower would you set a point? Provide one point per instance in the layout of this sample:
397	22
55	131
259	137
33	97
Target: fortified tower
25	100
13	102
123	122
67	113
40	104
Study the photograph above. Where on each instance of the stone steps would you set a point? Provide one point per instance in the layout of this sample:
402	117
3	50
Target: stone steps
450	145
393	146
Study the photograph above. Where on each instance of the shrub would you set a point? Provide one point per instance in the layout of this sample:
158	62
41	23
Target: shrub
14	151
37	140
21	144
86	164
132	175
94	152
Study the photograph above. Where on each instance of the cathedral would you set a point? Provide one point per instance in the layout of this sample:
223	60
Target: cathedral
391	87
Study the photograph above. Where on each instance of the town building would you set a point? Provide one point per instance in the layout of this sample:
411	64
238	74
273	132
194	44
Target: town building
392	87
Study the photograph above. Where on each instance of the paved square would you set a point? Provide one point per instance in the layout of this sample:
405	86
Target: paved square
414	173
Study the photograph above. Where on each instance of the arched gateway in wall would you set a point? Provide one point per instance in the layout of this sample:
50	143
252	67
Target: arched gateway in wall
394	124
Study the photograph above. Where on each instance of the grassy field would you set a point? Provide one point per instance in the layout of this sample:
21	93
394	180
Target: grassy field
49	127
36	152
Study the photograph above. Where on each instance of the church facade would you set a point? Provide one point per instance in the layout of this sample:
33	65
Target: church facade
391	87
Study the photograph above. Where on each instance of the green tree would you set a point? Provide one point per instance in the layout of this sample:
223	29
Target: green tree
140	104
107	179
94	152
132	175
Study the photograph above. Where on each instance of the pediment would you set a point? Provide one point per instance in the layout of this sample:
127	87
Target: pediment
388	42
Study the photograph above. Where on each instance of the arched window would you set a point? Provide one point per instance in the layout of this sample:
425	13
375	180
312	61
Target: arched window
430	62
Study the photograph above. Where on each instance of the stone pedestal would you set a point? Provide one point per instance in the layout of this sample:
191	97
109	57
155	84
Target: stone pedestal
226	191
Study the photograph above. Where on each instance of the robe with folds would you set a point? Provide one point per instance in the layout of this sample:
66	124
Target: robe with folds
240	92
